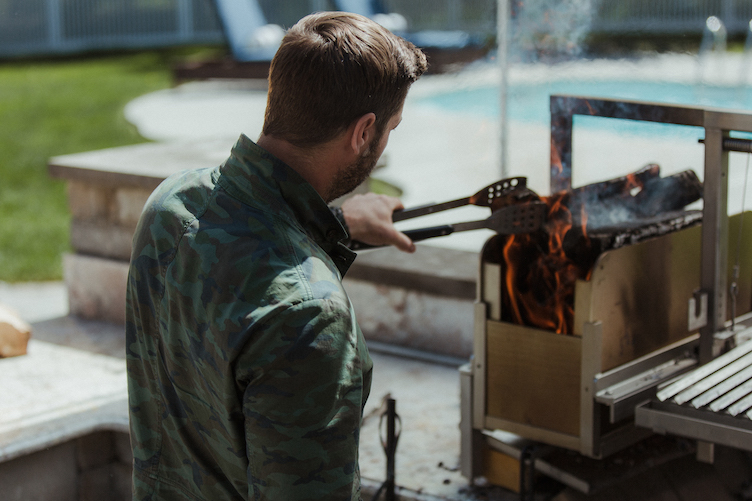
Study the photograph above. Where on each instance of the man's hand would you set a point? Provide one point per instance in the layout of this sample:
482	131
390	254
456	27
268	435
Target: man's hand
369	219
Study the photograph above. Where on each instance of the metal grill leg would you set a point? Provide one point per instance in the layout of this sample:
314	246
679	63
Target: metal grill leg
527	474
390	449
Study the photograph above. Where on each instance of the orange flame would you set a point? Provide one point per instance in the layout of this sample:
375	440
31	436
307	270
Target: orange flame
539	276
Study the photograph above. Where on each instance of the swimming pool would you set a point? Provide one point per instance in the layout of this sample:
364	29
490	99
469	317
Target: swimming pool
530	102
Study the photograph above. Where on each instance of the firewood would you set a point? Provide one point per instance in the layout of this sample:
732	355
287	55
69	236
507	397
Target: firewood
14	333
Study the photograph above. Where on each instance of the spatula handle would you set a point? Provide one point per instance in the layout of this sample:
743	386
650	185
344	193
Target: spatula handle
433	231
415	236
432	208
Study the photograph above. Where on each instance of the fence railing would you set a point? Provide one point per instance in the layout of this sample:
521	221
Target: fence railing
69	26
669	16
41	27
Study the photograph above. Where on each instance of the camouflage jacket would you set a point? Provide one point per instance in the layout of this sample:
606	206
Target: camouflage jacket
247	372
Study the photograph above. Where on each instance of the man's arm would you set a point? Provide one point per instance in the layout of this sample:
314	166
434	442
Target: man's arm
369	220
303	403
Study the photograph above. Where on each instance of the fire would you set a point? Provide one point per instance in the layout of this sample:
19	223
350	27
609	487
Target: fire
540	268
539	276
583	219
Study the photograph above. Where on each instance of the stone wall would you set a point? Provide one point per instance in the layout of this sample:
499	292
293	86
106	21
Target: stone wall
95	467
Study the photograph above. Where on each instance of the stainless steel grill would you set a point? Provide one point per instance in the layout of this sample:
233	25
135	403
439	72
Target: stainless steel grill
653	349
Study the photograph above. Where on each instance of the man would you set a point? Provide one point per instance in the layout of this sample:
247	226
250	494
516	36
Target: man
247	371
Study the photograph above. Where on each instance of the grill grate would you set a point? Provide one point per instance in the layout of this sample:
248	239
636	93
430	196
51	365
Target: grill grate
722	386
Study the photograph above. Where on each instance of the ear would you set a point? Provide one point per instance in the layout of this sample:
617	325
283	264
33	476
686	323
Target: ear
362	133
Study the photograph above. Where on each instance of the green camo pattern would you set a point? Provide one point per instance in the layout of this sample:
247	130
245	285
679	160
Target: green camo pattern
247	372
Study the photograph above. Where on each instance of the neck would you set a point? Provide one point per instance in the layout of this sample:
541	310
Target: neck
316	165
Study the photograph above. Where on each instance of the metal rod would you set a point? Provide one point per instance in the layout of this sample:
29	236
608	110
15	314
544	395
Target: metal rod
391	448
527	473
735	144
502	55
713	277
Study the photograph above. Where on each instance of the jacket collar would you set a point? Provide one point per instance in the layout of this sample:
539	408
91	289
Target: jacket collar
257	178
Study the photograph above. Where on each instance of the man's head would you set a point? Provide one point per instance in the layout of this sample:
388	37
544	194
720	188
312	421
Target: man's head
351	176
333	68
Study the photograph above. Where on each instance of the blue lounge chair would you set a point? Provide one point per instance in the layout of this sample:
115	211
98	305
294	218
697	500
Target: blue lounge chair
248	34
433	39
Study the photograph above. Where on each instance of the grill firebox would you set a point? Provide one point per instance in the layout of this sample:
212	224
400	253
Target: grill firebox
649	313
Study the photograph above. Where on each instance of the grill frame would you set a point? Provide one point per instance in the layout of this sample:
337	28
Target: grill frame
707	319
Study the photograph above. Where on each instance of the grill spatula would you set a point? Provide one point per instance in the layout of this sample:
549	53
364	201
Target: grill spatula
517	218
484	198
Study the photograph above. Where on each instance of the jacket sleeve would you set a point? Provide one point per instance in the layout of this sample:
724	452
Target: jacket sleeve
303	404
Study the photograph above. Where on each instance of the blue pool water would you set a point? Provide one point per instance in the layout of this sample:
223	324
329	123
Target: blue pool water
530	103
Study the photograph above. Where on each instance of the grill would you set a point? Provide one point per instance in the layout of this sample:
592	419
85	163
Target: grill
651	350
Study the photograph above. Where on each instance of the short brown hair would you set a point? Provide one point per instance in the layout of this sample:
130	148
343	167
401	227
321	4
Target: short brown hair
331	69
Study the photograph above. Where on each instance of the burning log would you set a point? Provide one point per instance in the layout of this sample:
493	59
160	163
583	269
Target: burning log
640	195
541	267
597	198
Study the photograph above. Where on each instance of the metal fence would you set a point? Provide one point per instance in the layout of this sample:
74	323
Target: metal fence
41	27
477	17
33	27
69	26
669	16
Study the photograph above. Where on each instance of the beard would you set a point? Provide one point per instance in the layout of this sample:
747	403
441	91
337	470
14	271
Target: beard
354	174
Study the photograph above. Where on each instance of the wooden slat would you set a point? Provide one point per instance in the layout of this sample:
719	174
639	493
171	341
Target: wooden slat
500	469
533	377
535	433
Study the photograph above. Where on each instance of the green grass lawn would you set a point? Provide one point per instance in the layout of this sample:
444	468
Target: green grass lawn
52	108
